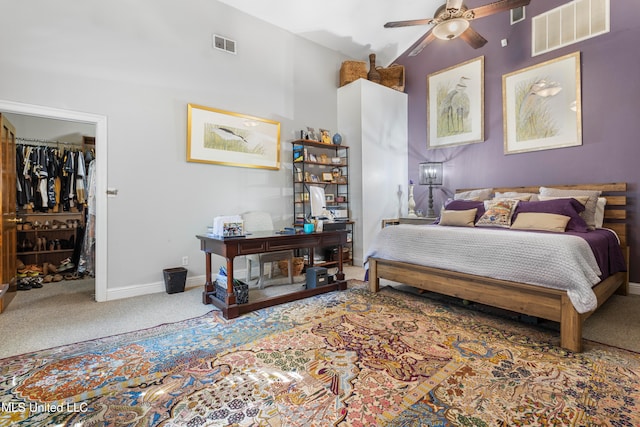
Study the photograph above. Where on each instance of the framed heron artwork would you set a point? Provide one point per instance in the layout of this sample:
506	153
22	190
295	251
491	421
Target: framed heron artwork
542	107
232	139
455	105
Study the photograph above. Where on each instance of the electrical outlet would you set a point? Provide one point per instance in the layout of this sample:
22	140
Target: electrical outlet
185	260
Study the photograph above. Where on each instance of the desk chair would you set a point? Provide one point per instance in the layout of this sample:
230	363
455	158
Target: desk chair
261	221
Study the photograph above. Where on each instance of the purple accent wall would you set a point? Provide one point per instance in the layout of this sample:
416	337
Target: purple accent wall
610	150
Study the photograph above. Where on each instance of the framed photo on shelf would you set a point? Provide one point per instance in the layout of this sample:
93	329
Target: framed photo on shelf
314	178
311	134
330	198
327	177
341	179
541	106
325	136
232	139
455	105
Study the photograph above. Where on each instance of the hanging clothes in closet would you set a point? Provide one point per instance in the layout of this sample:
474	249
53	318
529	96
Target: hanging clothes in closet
86	264
50	179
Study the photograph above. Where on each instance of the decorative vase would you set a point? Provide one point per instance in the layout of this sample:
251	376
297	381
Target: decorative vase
373	74
412	203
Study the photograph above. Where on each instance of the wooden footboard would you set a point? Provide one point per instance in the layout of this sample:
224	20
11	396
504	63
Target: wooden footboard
546	303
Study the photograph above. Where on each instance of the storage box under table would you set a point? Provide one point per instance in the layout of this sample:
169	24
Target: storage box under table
240	290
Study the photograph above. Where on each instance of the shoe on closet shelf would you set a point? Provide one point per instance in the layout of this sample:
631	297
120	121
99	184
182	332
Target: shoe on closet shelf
65	265
52	268
36	282
23	287
47	279
57	277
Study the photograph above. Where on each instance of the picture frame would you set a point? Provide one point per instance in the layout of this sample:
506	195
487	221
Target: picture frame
327	176
542	106
455	105
342	179
314	178
228	138
311	134
330	198
325	136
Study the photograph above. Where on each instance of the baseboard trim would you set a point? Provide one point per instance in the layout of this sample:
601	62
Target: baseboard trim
150	288
634	288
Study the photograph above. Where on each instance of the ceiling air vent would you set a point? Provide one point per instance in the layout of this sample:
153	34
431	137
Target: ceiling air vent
225	44
570	23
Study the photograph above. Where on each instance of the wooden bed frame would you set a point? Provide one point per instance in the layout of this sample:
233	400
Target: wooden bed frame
546	303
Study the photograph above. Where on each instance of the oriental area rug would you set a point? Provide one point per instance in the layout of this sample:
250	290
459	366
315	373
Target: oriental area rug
350	358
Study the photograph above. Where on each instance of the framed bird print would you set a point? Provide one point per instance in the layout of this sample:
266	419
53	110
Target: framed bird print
232	139
541	106
455	105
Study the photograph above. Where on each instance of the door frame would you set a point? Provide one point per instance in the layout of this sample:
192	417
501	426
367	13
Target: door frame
100	121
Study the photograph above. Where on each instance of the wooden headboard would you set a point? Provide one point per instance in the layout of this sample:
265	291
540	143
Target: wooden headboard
615	213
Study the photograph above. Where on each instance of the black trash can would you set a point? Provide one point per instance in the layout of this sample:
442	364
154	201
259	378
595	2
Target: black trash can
175	279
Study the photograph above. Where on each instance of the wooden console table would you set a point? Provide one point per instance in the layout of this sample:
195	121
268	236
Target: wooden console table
257	243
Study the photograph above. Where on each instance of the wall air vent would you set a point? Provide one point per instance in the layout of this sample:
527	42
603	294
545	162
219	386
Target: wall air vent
570	23
224	44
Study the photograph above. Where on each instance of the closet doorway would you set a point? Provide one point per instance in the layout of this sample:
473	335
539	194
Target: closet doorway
99	125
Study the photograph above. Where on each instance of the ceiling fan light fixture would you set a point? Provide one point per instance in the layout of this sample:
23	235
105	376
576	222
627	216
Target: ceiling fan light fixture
450	29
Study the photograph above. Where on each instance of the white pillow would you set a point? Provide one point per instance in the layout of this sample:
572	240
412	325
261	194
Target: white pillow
480	194
532	197
599	216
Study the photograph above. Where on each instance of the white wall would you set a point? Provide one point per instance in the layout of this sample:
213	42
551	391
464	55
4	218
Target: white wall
139	64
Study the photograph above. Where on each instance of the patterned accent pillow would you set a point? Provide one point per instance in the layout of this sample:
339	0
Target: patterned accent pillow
498	213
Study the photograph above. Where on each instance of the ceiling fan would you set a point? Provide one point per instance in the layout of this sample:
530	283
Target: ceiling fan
452	21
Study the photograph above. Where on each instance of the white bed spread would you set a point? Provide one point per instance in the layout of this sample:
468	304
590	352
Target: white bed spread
553	260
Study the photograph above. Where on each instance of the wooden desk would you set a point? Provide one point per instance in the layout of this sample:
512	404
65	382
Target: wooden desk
257	243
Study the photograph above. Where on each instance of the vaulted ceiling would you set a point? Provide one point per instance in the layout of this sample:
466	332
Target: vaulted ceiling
352	27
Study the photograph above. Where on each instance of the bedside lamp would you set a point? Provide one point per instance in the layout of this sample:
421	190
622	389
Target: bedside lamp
431	175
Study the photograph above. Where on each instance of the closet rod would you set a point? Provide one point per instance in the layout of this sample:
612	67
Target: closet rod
48	142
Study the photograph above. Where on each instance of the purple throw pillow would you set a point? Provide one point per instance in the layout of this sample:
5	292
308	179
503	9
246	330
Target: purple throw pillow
567	207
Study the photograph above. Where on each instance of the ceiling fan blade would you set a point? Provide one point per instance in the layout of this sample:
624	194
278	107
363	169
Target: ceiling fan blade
454	4
498	6
428	38
409	23
474	38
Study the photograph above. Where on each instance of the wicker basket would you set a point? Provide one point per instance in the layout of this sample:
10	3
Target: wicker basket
298	265
393	77
350	71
